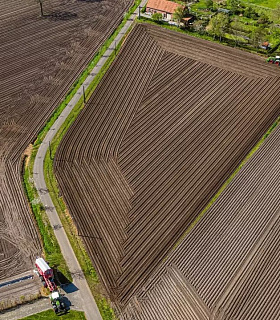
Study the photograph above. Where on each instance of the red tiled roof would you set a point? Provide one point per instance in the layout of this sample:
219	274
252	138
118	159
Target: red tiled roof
163	5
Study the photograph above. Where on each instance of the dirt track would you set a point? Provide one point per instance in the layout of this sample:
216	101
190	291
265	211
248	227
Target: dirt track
40	59
168	124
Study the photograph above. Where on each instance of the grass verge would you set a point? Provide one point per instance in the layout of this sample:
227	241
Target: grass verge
70	229
50	245
50	315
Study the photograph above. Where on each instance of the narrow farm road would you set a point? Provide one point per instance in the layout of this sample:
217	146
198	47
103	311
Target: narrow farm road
81	296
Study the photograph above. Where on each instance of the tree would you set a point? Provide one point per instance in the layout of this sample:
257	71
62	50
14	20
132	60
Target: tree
263	19
157	17
275	32
235	25
233	5
276	14
198	26
209	4
179	14
249	12
257	36
217	25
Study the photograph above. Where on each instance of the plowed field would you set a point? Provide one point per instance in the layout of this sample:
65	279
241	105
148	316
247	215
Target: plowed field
168	124
228	267
39	59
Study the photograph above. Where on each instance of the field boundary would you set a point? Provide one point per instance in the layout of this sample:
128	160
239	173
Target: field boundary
84	93
228	181
206	37
66	220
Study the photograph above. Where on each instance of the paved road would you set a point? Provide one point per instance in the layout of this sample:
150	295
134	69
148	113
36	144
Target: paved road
80	295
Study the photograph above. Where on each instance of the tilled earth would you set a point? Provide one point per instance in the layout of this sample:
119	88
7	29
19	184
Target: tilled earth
171	120
40	57
227	267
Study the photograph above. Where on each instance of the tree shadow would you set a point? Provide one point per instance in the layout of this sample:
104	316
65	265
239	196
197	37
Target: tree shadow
61	15
60	278
69	288
92	1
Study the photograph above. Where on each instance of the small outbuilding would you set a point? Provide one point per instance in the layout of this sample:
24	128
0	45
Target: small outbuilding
166	8
265	45
189	19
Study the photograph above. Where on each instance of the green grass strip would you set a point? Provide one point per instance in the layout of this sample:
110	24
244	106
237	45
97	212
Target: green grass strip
105	309
50	245
50	315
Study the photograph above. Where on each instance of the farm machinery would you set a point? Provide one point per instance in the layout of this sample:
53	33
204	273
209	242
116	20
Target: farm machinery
57	303
274	60
47	277
45	274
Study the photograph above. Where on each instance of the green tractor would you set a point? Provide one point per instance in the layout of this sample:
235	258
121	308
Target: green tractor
274	60
57	303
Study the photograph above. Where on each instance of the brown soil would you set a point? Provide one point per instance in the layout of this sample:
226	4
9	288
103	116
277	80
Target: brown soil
168	124
40	59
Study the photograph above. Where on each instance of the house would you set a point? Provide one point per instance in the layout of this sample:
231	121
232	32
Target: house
166	8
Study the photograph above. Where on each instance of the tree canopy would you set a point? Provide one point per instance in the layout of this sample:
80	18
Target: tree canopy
233	5
157	16
218	25
179	14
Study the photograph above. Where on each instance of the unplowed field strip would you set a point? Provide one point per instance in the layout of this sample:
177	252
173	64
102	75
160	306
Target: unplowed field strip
160	135
40	59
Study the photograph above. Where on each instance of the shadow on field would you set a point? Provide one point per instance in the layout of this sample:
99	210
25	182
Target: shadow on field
61	15
90	0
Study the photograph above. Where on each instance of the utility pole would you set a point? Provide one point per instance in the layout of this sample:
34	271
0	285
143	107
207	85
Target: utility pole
41	7
115	48
84	95
50	150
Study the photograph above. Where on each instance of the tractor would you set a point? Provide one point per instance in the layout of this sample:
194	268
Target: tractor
274	60
57	303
